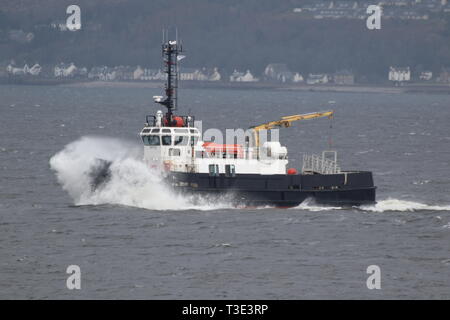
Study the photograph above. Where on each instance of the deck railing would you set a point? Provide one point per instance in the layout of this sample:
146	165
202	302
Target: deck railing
321	164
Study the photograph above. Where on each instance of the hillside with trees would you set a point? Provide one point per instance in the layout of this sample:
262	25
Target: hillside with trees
228	34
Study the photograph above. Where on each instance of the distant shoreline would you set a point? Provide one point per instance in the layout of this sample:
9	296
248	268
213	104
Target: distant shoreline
357	88
411	88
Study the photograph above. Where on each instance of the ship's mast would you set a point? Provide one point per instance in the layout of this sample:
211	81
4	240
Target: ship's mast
170	51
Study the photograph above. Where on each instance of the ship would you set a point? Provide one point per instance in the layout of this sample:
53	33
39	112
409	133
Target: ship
252	173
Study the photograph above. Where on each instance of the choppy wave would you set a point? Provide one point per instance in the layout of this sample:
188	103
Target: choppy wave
310	205
403	206
131	182
388	205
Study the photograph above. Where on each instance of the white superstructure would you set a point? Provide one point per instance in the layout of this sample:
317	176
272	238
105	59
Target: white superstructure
181	149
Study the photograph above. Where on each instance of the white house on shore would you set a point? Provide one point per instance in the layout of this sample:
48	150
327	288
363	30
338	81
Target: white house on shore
426	75
102	73
138	73
191	74
35	70
344	77
118	73
237	76
398	74
214	75
298	78
279	72
63	71
200	74
153	75
317	79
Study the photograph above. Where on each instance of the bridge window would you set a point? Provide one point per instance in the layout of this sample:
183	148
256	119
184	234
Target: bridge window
166	140
155	130
165	130
181	141
152	140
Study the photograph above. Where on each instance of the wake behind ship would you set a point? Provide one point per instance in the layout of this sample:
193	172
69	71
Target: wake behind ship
252	173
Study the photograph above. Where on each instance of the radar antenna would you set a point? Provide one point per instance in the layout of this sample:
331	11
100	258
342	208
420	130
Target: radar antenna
170	52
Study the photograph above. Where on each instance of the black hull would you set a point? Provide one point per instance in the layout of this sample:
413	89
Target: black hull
344	189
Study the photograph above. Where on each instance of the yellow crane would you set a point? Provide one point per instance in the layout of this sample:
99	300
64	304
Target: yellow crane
285	122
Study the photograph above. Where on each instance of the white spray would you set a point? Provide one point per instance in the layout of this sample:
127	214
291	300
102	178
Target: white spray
131	182
391	204
387	205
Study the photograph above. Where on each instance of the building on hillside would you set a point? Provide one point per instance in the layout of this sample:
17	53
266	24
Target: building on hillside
127	73
200	75
95	73
188	74
297	78
138	73
4	69
278	72
213	74
317	79
286	76
59	25
237	76
63	70
344	77
399	74
20	36
124	73
35	70
392	9
444	76
154	75
111	74
426	75
104	73
194	74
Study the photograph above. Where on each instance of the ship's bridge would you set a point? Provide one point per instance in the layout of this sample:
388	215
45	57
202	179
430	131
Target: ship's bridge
168	136
169	147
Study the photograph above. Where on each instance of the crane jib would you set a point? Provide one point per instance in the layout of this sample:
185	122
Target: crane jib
286	121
